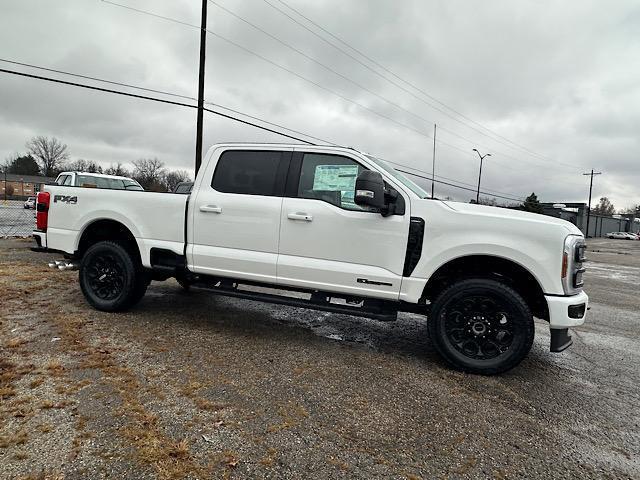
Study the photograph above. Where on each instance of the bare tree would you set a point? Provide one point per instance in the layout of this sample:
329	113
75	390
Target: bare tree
82	165
118	170
50	154
172	178
149	173
604	207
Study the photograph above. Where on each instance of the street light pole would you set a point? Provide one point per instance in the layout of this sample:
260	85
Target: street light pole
586	233
433	165
480	173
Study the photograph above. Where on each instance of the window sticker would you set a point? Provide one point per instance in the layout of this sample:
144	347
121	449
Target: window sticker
335	178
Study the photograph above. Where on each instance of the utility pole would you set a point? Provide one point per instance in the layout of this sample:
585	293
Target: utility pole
203	49
480	174
433	165
586	233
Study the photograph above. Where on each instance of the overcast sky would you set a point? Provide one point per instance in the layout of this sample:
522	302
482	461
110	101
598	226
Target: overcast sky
559	79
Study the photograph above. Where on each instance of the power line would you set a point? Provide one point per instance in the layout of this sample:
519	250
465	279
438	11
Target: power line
316	84
312	82
458	186
275	64
350	80
162	92
96	79
530	152
428	177
146	97
271	123
412	85
323	65
187	24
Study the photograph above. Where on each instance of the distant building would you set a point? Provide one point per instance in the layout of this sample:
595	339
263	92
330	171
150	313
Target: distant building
599	225
23	185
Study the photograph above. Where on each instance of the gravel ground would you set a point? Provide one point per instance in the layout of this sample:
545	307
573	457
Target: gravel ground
190	385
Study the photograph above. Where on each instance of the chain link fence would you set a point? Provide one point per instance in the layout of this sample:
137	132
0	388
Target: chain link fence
15	220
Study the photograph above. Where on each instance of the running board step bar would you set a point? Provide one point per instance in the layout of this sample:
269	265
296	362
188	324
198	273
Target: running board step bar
385	311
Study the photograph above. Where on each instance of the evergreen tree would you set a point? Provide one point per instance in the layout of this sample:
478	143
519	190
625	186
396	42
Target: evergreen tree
531	204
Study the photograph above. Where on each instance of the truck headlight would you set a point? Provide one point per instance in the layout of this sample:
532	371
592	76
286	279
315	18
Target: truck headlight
572	259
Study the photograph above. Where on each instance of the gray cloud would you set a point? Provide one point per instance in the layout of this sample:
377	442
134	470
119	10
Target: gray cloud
561	78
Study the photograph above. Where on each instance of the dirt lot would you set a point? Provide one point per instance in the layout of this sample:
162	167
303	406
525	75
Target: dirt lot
189	385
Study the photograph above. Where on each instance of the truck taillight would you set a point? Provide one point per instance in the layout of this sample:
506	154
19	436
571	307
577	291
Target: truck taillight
42	211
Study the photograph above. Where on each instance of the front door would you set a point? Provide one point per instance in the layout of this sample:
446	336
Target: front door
329	243
236	215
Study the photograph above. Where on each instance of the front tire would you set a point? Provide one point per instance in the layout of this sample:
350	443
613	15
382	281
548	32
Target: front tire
481	326
111	277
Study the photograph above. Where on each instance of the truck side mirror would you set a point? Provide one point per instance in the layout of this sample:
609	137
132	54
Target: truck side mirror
369	190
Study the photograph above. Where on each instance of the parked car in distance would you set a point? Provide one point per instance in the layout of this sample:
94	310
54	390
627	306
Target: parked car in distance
30	203
97	180
183	188
622	236
333	229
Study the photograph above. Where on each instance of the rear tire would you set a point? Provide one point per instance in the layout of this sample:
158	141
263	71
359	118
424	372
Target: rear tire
111	277
481	326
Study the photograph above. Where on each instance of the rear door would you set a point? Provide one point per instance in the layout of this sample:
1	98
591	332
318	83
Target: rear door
327	242
236	214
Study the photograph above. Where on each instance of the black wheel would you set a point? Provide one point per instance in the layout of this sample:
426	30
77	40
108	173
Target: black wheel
111	278
481	326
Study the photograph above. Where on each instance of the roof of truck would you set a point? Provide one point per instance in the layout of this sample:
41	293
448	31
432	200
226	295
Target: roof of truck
102	175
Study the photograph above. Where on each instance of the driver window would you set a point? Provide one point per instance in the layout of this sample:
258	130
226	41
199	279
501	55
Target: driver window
331	178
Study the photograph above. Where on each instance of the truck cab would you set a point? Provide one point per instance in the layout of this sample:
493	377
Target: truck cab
345	232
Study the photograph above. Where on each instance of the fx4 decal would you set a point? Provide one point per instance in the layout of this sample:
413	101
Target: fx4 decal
65	199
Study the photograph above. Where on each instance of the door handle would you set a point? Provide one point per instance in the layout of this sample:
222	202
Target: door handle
210	209
300	216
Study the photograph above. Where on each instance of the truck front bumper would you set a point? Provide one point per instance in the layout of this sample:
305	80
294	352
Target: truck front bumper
565	312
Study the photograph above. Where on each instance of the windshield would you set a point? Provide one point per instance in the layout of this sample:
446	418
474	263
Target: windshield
132	185
398	176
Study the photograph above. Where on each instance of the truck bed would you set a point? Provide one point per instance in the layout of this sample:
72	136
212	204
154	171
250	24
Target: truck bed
156	220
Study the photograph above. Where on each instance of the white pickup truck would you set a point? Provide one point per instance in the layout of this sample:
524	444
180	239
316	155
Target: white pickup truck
341	227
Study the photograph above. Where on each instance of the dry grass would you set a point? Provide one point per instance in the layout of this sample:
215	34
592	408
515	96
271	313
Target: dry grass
55	367
338	463
45	475
170	459
204	404
17	438
269	459
47	404
15	342
6	392
45	427
151	446
36	382
292	415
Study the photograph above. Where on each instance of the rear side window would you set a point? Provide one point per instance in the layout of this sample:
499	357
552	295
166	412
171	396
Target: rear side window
248	172
99	182
64	180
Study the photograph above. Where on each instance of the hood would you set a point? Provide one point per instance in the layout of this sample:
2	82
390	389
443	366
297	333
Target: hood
506	213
